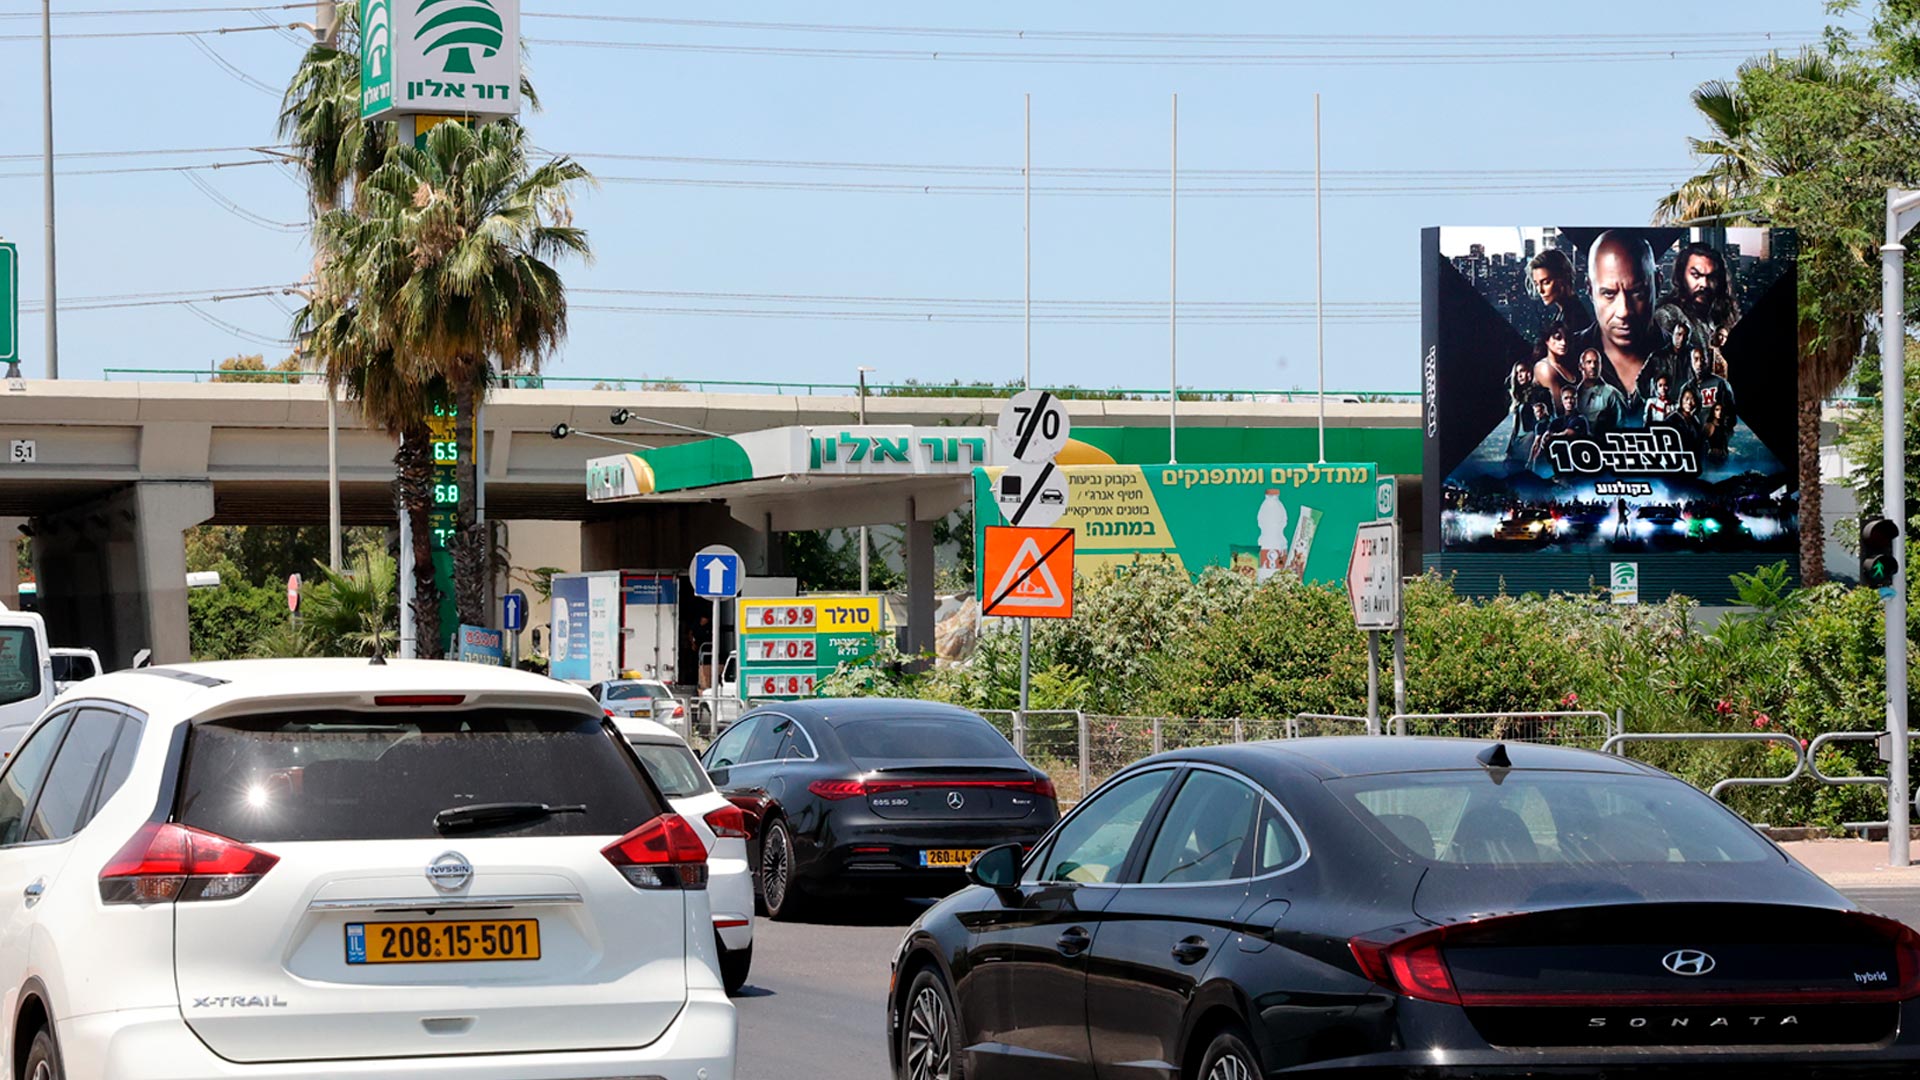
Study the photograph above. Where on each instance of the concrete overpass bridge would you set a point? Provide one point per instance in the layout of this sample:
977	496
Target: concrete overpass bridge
119	469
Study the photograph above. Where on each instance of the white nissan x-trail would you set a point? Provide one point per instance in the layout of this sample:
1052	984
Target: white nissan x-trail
330	868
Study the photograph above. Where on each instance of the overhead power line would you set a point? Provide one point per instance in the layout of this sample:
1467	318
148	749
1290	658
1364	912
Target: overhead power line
1151	35
1170	59
119	13
158	299
117	34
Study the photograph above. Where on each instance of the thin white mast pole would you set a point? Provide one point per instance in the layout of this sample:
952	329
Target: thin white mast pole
1173	295
1319	284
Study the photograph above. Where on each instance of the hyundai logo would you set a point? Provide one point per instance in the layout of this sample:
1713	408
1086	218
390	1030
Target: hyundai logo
1687	962
449	871
955	800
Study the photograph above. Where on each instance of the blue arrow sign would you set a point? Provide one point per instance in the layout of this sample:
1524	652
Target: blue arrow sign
716	575
513	611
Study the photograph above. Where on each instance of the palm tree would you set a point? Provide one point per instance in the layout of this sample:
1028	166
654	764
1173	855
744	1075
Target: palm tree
1810	141
355	611
449	254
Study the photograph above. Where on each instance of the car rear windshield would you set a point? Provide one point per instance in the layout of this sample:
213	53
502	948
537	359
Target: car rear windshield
674	768
19	664
635	691
1549	818
362	776
923	738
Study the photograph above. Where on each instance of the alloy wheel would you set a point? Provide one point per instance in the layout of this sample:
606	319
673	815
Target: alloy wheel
776	867
929	1038
1230	1067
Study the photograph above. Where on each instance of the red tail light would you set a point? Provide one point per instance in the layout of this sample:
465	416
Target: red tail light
836	790
728	822
1411	966
665	853
165	862
608	711
410	701
679	710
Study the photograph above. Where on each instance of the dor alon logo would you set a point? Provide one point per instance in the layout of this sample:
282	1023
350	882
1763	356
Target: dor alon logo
376	39
459	26
1687	962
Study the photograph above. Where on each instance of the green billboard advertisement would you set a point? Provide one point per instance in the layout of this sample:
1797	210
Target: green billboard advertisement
1259	520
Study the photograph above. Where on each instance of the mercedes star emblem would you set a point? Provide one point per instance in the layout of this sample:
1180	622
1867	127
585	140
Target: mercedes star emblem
955	800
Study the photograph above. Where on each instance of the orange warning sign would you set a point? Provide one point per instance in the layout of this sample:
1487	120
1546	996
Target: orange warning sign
1028	573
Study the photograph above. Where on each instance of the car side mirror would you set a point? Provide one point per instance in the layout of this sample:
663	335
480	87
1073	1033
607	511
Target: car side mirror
717	774
997	868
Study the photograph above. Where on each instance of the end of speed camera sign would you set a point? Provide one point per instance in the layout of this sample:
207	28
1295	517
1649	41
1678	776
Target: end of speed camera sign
1033	426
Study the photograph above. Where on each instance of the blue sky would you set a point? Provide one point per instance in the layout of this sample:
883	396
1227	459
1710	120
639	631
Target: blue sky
1526	130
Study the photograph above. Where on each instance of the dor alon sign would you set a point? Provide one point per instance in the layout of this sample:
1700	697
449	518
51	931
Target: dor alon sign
439	57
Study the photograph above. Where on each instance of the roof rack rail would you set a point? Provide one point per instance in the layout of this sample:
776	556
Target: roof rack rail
193	677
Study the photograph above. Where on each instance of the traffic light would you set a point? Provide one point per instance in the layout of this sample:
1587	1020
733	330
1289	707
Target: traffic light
1879	537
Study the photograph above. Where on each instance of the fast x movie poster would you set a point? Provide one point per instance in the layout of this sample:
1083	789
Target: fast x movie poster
1595	396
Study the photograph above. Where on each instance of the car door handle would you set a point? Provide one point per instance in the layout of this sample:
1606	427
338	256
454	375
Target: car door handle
1074	941
1190	950
34	891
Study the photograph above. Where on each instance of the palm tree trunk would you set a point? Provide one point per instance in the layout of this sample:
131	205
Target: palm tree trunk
469	545
413	490
1813	531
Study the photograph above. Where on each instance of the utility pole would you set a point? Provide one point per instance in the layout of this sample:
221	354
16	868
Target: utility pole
53	287
1903	213
1173	291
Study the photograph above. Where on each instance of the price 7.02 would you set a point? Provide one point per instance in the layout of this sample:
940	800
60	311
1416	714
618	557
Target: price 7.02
783	649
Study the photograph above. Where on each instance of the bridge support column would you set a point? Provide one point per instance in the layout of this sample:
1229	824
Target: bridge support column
9	561
113	572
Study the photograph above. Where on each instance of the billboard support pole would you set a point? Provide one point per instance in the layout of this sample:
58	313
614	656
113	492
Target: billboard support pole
1373	682
1903	212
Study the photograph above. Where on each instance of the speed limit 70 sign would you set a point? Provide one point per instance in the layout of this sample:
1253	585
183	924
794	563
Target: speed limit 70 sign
1033	426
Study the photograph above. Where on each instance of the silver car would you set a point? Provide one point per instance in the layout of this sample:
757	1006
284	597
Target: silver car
647	699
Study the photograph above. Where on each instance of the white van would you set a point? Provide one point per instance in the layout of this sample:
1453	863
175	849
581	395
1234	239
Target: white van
26	675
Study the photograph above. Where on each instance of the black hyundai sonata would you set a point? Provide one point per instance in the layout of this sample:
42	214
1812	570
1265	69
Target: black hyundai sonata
1399	907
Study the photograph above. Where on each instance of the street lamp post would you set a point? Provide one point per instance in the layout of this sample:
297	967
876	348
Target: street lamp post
862	371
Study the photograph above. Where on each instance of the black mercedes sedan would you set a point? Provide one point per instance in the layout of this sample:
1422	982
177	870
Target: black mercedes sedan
1399	907
873	795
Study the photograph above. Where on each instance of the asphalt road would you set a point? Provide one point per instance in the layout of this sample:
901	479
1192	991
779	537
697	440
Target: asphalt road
813	1003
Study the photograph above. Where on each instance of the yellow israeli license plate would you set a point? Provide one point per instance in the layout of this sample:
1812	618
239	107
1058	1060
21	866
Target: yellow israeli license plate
948	858
443	942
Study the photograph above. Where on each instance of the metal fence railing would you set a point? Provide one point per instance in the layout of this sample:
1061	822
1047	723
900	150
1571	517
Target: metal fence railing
1612	746
1584	728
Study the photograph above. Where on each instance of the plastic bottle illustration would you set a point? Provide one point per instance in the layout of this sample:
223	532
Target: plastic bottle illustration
1303	534
1273	535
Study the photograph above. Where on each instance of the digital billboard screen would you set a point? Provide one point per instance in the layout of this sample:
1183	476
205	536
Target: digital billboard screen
1598	396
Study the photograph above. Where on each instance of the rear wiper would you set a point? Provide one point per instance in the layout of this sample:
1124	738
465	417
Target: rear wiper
484	815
